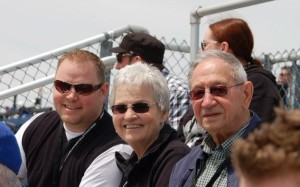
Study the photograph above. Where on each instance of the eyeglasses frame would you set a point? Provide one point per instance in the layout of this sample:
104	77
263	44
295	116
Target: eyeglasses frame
204	44
227	87
95	87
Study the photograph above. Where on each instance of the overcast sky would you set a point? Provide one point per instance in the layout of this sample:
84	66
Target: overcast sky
32	27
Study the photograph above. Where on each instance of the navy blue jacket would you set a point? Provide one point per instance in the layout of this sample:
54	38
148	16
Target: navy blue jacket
182	173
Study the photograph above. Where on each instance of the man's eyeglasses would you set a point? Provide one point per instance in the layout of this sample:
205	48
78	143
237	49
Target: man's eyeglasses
121	55
204	44
284	74
136	107
81	89
218	90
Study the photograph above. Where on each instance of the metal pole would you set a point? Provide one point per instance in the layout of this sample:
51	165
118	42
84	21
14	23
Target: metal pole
200	12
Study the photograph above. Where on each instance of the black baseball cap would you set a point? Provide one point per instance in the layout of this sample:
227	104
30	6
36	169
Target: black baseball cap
146	46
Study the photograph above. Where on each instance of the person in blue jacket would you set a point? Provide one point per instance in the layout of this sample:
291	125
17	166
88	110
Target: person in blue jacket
220	95
10	157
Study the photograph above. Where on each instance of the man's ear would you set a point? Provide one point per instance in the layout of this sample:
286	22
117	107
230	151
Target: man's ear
136	59
248	93
104	89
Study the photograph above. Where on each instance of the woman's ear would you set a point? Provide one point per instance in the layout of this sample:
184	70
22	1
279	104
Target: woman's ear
164	117
137	59
225	47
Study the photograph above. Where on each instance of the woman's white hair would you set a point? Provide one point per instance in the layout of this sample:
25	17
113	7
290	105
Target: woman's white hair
142	74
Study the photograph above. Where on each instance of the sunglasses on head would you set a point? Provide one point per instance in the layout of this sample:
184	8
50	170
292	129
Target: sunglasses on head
121	55
136	107
81	89
218	90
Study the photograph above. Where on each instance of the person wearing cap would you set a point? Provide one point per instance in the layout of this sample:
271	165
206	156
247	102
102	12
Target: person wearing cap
10	158
142	47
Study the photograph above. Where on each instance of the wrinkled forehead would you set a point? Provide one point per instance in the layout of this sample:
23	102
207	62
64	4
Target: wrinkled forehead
213	66
212	71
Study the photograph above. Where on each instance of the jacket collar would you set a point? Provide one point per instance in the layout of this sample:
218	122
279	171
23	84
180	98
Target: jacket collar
165	133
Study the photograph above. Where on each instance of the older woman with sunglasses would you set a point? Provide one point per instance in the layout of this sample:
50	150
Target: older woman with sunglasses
140	104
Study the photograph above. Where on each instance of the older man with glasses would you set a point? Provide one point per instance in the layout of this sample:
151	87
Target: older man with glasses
221	96
74	145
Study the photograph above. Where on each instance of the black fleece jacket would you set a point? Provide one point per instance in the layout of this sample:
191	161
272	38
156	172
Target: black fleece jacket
266	95
155	167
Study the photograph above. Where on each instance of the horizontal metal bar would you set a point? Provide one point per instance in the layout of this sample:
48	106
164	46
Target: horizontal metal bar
108	62
77	45
203	11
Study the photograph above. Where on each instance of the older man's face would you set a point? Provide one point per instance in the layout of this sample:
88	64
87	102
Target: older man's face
218	115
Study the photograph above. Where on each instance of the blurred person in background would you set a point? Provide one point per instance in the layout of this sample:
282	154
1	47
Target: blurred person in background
10	158
140	105
284	83
270	156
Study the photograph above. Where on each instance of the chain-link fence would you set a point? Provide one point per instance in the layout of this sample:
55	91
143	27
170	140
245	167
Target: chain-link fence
274	62
29	84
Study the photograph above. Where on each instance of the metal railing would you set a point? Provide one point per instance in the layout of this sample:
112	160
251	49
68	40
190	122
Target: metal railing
28	83
200	12
32	79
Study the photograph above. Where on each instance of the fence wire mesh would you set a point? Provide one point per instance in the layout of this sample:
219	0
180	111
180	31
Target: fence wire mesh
176	59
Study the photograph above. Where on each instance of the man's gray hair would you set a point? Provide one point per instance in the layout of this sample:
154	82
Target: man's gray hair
238	73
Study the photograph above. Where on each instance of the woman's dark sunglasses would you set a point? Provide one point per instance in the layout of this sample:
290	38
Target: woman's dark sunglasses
136	107
81	89
218	90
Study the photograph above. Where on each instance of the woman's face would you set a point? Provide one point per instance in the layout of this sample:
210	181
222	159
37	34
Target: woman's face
138	128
